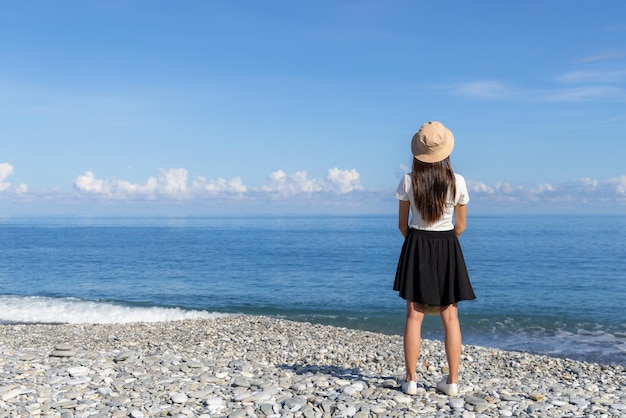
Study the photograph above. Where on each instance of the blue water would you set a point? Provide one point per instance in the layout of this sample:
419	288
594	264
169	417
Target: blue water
545	284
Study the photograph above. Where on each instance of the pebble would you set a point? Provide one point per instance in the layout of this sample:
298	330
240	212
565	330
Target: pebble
10	394
122	356
475	400
78	371
249	366
537	397
179	397
62	350
457	403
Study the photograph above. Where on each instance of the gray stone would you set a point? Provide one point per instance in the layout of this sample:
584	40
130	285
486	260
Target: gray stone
239	413
474	400
241	382
456	403
268	408
63	353
124	355
63	347
350	411
78	371
178	397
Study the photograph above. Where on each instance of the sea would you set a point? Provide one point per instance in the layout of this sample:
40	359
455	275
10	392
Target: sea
545	284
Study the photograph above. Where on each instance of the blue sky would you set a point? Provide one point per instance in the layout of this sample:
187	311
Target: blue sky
219	107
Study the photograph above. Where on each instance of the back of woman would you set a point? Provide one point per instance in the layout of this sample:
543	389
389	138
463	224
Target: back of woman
431	269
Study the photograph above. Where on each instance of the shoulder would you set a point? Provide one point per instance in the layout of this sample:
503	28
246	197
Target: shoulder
404	187
462	195
460	180
406	178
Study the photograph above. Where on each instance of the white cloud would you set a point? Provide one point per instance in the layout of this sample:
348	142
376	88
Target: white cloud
593	85
619	183
340	189
87	183
586	190
172	184
487	89
220	185
21	189
344	181
593	76
479	187
337	181
610	55
6	171
505	188
173	181
543	188
280	183
581	86
577	94
589	183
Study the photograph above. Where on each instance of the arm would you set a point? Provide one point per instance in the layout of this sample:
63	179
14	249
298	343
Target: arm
460	219
403	217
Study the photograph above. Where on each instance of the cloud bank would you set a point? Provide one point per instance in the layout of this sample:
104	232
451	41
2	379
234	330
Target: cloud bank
173	184
585	194
340	189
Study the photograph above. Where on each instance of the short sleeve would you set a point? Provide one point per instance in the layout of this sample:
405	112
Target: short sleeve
461	190
403	188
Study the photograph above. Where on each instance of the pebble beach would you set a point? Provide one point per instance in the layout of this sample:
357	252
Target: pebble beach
252	366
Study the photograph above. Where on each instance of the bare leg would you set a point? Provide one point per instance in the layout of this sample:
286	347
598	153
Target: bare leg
452	339
412	337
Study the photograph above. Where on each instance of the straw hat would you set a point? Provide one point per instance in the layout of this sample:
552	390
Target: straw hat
432	143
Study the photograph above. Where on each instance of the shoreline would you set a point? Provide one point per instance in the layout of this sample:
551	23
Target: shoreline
241	365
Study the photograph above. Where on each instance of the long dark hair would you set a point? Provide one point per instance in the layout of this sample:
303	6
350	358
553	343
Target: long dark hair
433	186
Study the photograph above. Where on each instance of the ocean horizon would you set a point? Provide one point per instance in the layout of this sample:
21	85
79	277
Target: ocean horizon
545	284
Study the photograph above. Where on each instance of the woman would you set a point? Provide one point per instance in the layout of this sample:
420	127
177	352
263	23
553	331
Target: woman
431	270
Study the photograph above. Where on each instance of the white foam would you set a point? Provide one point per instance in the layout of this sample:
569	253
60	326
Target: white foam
35	309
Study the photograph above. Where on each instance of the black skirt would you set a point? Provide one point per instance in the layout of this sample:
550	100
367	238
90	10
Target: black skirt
432	270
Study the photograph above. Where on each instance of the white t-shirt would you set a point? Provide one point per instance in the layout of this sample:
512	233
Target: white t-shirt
405	192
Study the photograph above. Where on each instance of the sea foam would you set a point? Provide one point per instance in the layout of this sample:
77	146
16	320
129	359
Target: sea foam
36	309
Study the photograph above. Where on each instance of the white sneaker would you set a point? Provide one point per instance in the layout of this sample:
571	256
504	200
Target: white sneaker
450	389
410	388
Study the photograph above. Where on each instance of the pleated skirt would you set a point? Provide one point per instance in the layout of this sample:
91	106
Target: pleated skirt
431	269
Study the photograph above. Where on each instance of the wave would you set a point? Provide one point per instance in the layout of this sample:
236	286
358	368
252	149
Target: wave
581	340
39	309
